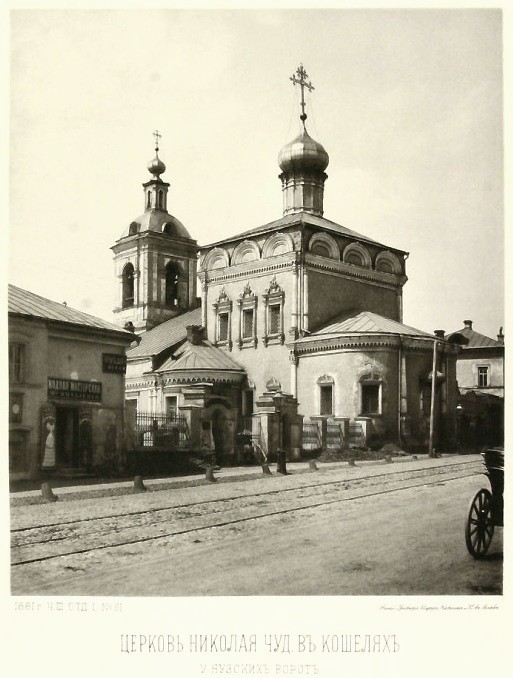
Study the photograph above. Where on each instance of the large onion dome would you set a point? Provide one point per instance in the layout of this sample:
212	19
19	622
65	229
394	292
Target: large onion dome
303	153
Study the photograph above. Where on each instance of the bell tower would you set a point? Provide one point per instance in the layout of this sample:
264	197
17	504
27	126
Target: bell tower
155	260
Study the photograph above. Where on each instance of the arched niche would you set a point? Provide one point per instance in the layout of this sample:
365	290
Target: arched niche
324	245
357	255
276	244
245	251
216	258
386	262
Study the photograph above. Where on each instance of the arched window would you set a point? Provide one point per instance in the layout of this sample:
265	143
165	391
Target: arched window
172	277
148	203
160	199
128	285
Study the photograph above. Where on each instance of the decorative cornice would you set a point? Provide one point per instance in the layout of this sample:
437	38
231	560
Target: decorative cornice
390	280
318	344
258	268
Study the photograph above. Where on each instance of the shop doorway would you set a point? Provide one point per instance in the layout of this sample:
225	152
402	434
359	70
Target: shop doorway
68	454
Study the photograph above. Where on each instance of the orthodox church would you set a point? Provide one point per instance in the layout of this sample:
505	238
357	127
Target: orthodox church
292	331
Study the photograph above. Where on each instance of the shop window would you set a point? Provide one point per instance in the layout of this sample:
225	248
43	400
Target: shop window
15	408
128	285
16	363
482	376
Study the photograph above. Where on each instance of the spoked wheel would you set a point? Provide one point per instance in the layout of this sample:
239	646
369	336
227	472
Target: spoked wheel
479	528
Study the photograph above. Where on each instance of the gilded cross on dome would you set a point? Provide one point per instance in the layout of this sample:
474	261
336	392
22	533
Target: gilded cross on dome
300	77
157	136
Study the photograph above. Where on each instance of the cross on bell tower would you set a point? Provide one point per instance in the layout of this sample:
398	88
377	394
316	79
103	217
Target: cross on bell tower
157	136
300	77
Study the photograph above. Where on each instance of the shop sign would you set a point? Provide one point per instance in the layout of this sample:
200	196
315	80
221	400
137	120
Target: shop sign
113	363
73	389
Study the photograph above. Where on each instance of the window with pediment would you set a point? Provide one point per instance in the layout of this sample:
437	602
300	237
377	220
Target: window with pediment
247	304
223	320
274	299
326	385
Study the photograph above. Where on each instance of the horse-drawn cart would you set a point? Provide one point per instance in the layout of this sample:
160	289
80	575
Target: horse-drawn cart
487	508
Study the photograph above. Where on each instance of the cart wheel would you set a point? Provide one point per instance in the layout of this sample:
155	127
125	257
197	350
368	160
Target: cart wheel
479	527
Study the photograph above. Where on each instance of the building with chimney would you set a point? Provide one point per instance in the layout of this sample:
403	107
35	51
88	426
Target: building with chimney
298	337
480	376
66	389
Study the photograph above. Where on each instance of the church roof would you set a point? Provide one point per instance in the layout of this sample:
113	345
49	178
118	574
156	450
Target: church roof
24	303
202	356
165	335
475	339
157	221
364	322
301	218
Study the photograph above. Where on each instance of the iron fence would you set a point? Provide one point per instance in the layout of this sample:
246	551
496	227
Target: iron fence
168	431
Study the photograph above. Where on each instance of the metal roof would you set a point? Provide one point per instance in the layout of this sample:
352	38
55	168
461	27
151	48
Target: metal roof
301	218
22	302
165	335
365	323
475	339
203	356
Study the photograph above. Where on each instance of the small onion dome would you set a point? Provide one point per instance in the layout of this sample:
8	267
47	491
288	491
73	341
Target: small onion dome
156	167
303	153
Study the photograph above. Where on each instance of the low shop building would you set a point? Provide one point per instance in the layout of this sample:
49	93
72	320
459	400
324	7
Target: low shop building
66	389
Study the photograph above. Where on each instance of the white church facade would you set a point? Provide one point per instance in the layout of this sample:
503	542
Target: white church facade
294	326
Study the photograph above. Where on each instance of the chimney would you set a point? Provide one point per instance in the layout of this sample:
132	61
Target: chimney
500	336
468	324
440	334
195	334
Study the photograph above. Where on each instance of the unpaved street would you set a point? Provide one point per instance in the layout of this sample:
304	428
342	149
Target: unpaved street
394	529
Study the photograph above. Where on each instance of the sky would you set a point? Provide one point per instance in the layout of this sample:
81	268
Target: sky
408	104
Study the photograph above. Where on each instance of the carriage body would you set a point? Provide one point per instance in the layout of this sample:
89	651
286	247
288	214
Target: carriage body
487	507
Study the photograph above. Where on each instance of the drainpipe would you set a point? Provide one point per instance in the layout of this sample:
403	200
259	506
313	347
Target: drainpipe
432	409
400	392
